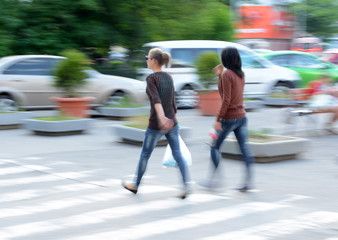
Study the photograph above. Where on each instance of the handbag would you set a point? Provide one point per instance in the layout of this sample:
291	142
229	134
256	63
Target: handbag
168	159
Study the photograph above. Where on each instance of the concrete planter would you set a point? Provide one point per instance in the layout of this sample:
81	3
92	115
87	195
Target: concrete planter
136	135
123	112
282	148
13	120
58	128
270	101
253	105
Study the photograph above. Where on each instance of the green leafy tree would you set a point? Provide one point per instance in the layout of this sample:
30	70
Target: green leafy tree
321	16
9	22
48	27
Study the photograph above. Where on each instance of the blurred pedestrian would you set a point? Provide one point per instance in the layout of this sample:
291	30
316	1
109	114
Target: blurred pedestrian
326	98
162	120
232	116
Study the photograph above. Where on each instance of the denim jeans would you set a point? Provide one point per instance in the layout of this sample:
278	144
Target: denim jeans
239	127
150	140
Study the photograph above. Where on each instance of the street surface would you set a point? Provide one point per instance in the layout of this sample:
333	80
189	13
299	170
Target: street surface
69	188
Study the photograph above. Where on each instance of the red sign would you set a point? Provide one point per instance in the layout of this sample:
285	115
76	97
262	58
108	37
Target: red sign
264	22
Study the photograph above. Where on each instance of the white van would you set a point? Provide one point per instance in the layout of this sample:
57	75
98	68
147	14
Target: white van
261	75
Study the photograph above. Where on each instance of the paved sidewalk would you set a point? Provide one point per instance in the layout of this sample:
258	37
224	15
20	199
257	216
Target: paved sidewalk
69	188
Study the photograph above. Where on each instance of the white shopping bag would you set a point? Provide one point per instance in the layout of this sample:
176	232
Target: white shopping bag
168	159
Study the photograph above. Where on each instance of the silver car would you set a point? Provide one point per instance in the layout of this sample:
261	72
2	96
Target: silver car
262	77
28	81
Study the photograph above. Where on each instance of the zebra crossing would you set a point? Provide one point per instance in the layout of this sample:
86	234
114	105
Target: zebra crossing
39	204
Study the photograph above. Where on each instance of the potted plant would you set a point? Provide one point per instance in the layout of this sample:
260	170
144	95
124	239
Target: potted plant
133	131
69	75
121	107
266	147
209	99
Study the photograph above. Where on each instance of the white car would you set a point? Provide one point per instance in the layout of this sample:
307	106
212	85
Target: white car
28	81
261	75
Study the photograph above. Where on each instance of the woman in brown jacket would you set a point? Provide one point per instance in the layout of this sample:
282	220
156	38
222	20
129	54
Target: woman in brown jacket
232	116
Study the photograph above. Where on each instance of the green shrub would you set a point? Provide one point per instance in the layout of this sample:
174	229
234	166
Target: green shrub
69	73
205	64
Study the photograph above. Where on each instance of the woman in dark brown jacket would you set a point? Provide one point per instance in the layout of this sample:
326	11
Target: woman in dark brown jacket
162	120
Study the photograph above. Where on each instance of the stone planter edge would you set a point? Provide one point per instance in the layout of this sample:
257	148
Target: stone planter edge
123	112
13	120
254	104
270	151
136	135
58	127
270	101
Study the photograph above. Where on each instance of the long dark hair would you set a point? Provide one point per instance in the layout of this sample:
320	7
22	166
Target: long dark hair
232	60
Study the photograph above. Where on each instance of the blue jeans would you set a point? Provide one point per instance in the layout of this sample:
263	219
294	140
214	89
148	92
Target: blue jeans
150	140
239	127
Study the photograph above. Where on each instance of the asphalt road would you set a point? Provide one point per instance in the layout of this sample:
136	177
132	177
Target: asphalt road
69	188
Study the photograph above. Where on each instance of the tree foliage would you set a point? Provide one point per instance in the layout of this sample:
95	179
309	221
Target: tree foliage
321	16
48	27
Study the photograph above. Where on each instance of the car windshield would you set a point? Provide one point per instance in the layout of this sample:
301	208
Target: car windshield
92	73
4	60
252	60
186	57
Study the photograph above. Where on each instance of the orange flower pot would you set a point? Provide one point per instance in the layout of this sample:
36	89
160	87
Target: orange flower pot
74	107
209	103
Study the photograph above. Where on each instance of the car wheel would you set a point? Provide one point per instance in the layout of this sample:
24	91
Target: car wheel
7	104
115	98
186	97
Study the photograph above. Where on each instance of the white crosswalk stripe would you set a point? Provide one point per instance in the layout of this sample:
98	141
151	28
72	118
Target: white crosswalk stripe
74	201
100	215
55	204
44	178
281	228
14	170
186	222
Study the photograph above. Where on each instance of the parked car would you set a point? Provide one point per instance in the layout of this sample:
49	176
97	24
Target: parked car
309	66
118	56
261	50
331	55
28	80
261	75
307	44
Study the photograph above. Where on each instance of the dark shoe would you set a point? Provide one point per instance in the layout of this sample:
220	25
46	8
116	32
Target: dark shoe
130	187
244	188
184	194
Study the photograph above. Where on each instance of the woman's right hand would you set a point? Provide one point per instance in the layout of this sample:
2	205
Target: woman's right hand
218	69
218	126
